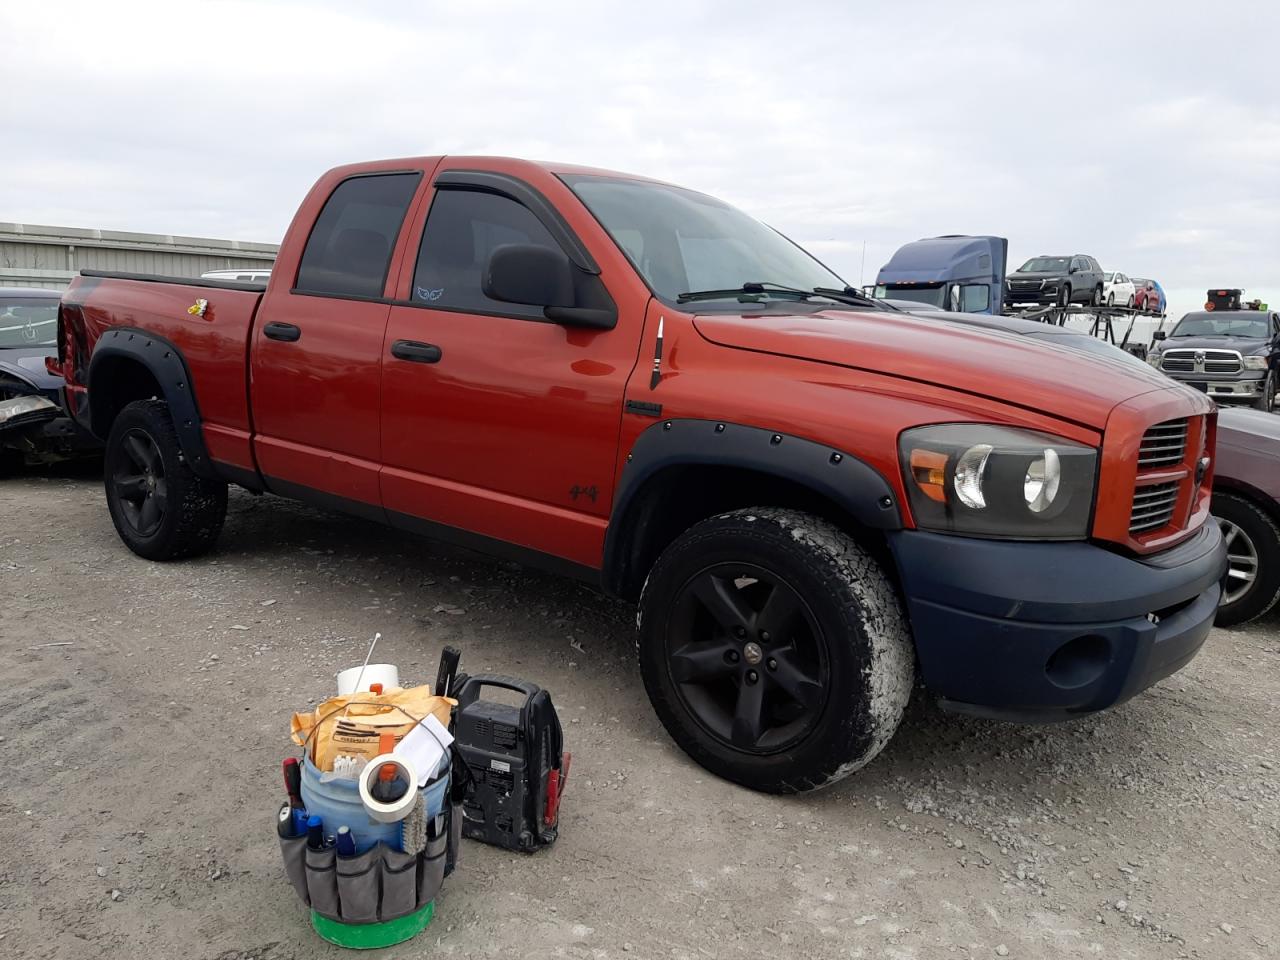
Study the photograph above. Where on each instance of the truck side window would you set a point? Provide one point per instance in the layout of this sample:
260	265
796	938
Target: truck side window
350	246
463	228
976	297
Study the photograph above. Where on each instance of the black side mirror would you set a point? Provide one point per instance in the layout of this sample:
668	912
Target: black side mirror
1158	335
543	277
530	274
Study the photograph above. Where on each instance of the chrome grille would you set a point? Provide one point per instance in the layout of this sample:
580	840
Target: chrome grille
1153	506
1163	445
1201	361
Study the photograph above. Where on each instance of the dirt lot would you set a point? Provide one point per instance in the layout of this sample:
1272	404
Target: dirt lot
146	711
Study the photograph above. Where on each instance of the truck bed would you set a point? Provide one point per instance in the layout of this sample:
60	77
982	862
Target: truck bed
214	344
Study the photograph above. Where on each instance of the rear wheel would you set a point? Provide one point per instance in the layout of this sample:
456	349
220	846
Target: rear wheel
161	509
1096	299
774	649
1253	558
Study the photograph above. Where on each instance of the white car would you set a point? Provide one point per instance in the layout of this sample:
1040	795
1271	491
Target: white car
1118	289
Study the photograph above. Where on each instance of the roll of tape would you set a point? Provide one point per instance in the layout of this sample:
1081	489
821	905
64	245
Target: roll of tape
398	809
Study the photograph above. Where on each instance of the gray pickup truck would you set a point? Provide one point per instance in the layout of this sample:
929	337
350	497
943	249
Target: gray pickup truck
1229	354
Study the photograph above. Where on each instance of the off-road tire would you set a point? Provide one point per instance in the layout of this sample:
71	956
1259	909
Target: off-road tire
195	506
1264	536
863	631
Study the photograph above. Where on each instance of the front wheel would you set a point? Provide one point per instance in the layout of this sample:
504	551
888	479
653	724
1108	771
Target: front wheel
160	507
1268	398
1111	299
774	649
1253	559
1064	296
1129	303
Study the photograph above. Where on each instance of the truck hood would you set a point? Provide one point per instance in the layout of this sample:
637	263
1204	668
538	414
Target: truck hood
1069	384
1246	346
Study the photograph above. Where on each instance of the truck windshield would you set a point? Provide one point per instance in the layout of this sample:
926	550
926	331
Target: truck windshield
680	240
1221	325
28	322
1043	265
934	295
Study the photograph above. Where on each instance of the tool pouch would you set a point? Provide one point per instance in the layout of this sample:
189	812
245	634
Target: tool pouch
379	884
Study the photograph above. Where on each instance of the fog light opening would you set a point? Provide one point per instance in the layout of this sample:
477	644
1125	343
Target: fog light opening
1079	662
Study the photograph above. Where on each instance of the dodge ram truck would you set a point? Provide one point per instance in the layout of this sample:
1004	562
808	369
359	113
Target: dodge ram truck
817	503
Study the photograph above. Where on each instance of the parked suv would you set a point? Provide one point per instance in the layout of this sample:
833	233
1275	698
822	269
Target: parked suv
1060	280
1229	354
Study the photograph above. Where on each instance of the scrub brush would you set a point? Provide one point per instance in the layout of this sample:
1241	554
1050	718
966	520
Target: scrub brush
413	828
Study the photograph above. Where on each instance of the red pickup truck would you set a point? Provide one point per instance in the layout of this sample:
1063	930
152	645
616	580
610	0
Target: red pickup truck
815	500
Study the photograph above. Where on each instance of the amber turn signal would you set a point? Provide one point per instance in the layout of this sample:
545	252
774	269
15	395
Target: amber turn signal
929	470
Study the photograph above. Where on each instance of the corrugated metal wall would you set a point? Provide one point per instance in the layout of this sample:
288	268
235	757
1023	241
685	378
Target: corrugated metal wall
49	257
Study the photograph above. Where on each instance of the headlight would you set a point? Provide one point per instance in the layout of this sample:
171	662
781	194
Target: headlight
993	481
1153	359
1255	363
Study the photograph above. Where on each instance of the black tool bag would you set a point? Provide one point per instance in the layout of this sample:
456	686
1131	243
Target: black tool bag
513	756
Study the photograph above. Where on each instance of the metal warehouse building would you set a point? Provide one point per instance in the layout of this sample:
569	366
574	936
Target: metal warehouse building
38	256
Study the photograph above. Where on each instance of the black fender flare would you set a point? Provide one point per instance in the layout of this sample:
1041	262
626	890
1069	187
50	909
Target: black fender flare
841	477
169	368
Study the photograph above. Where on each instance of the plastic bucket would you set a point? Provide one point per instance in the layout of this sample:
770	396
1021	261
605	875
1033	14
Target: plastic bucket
337	803
383	673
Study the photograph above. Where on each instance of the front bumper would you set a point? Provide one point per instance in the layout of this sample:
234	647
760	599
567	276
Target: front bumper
1241	387
1044	631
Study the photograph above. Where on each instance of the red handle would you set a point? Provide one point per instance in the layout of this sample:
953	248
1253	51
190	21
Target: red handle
556	782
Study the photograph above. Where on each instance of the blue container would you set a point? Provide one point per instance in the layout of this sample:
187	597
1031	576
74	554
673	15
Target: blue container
337	803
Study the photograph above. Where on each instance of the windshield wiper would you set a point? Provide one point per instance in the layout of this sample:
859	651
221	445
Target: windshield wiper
751	290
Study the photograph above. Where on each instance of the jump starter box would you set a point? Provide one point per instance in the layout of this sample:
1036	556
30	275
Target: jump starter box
516	767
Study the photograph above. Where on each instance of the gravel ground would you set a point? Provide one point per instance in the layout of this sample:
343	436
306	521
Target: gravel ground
146	711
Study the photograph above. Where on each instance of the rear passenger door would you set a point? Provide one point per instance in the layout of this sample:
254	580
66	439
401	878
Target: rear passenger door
315	361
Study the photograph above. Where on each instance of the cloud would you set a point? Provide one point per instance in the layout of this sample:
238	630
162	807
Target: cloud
1154	149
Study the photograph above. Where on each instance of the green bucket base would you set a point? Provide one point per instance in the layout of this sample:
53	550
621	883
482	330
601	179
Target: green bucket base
371	936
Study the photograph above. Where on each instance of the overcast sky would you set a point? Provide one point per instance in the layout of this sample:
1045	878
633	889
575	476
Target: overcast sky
1146	134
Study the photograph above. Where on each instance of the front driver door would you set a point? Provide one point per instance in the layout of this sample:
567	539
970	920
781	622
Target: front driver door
496	422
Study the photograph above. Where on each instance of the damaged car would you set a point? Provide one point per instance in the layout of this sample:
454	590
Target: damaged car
33	426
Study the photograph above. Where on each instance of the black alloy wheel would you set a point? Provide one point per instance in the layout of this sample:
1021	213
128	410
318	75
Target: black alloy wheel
748	657
161	508
774	649
139	482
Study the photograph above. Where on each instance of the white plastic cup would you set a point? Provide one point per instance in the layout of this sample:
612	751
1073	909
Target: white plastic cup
383	673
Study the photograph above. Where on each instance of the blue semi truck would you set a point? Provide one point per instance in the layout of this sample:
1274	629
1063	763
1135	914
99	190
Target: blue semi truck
958	273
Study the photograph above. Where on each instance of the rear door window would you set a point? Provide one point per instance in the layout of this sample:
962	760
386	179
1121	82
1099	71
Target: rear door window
350	246
463	228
